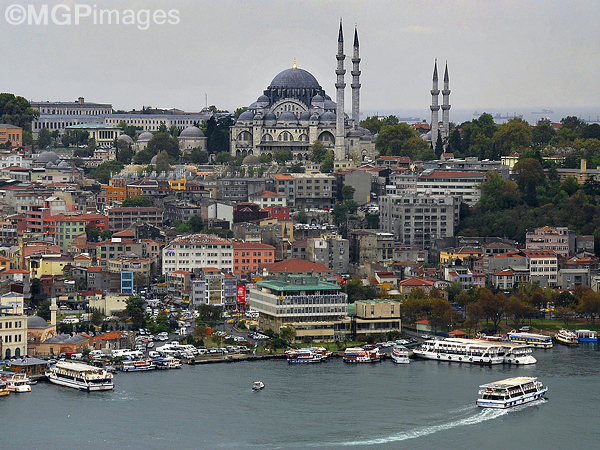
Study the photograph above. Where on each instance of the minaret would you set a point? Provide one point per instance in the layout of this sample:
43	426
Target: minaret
340	147
446	105
53	309
435	92
355	81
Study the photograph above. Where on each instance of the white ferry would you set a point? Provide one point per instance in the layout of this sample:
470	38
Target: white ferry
586	335
535	340
137	365
361	355
16	382
400	354
567	337
306	355
80	376
518	354
510	392
473	351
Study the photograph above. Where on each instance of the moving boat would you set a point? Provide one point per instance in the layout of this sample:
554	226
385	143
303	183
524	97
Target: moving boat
472	351
533	339
80	376
137	365
510	392
400	354
307	355
361	355
16	382
567	337
258	385
586	335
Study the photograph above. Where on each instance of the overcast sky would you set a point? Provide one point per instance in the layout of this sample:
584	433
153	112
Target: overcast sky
501	54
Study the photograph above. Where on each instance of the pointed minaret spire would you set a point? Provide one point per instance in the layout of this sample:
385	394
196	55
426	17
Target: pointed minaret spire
446	105
355	81
340	85
435	92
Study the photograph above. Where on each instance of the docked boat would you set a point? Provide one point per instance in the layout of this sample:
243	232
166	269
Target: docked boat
533	339
361	355
306	355
586	335
168	362
258	385
400	354
518	354
3	389
471	351
16	382
567	337
137	365
510	392
80	376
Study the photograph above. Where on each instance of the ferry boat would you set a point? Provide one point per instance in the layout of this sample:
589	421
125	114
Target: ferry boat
16	382
472	351
586	335
167	362
400	354
567	337
137	365
80	376
518	354
510	392
361	355
535	340
307	355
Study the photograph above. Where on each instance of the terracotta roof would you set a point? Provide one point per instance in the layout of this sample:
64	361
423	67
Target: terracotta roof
503	273
109	335
296	265
15	271
180	272
251	246
416	281
280	176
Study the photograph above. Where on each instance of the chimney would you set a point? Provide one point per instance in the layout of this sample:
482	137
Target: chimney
81	100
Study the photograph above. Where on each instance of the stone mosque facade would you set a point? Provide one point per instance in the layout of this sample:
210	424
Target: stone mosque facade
294	111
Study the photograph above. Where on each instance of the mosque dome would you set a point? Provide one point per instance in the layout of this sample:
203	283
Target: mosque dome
145	136
246	115
125	138
250	160
328	117
36	322
64	165
192	132
153	160
305	115
317	99
287	117
47	157
262	101
294	79
329	104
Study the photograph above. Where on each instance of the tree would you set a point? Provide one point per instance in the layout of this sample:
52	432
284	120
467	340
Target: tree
542	133
302	216
199	156
296	167
162	162
201	331
529	175
44	310
317	152
195	223
282	155
288	334
392	138
105	170
355	289
493	306
348	192
135	310
139	279
35	287
163	142
371	123
512	136
44	139
209	313
223	158
137	202
106	234
327	164
17	111
92	232
96	318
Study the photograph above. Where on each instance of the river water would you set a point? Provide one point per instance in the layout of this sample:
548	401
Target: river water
421	405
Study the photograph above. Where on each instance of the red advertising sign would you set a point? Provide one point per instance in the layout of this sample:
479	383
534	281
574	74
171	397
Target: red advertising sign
241	295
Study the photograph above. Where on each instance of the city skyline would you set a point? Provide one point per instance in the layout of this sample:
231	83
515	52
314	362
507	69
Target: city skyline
501	55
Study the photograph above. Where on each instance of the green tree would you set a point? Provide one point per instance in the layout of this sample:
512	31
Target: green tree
135	310
282	155
348	192
296	167
104	171
44	139
199	156
542	133
302	216
223	158
529	175
17	111
288	334
195	223
210	314
162	162
512	136
371	123
137	201
355	289
317	152
44	310
454	142
327	164
392	138
163	141
97	318
92	232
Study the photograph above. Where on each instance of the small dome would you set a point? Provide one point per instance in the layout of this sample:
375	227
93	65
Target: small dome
305	115
270	117
246	115
125	138
355	133
49	165
328	117
250	160
329	104
64	165
145	136
317	99
287	117
262	101
314	116
46	157
153	160
192	132
37	322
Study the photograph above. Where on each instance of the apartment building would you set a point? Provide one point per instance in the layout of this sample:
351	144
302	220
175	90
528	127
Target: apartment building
251	257
194	251
331	250
317	190
122	218
559	239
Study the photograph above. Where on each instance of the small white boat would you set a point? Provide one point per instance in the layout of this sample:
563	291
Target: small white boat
361	355
137	365
17	383
567	337
518	354
400	354
258	385
510	392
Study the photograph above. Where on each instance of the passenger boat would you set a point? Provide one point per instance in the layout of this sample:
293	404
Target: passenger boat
306	355
567	337
16	382
472	351
137	365
535	340
80	376
167	362
400	354
258	385
3	389
361	355
517	354
586	335
510	392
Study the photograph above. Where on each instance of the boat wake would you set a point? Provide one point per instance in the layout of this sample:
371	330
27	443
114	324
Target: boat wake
485	415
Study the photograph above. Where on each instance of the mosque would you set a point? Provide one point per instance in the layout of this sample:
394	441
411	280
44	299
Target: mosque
294	111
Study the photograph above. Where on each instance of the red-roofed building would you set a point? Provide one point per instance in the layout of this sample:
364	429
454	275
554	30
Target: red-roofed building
407	286
278	212
504	279
267	198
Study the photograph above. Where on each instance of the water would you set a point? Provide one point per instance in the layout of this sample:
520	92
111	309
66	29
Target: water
421	405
